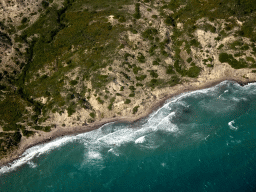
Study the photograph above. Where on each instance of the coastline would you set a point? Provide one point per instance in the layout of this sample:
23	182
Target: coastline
46	137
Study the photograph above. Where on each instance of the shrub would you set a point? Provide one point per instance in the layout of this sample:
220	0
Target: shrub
136	69
73	82
125	75
193	71
170	21
127	101
174	80
92	115
110	106
189	59
137	11
132	95
71	109
150	33
141	77
45	4
153	74
141	58
224	57
99	100
169	70
132	88
135	109
24	20
220	46
194	42
139	84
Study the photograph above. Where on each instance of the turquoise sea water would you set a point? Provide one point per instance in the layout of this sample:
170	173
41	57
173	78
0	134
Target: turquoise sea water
198	141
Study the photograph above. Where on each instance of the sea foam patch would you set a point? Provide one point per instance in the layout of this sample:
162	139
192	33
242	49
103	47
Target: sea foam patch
140	140
231	125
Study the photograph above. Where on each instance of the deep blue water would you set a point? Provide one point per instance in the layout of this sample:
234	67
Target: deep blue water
198	141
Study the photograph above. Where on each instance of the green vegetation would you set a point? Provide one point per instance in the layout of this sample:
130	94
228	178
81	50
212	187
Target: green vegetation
127	101
74	45
228	58
155	83
220	46
189	59
92	115
174	80
153	74
132	94
141	77
137	14
111	103
136	69
150	33
135	109
141	58
99	100
193	71
71	109
169	70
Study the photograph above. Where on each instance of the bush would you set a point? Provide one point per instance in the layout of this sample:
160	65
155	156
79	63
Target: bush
24	20
132	94
135	109
127	101
132	88
220	46
174	80
141	77
189	59
224	57
150	33
137	11
71	109
99	100
153	74
139	84
193	71
45	4
73	82
141	58
110	106
169	70
125	75
170	21
136	69
92	115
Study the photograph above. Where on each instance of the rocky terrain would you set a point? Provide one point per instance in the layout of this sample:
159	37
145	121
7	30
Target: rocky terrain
68	65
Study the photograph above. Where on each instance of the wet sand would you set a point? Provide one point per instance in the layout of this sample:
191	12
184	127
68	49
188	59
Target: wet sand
45	137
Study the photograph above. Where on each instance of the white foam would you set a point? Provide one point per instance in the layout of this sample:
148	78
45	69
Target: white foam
94	155
113	151
118	137
230	124
35	151
140	140
166	125
32	165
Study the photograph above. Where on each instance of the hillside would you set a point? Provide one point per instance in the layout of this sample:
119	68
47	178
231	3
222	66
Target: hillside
73	63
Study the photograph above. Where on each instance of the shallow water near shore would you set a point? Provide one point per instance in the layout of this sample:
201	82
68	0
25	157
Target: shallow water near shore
198	141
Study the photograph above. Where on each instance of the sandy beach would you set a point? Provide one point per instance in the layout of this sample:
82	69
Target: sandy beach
45	137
